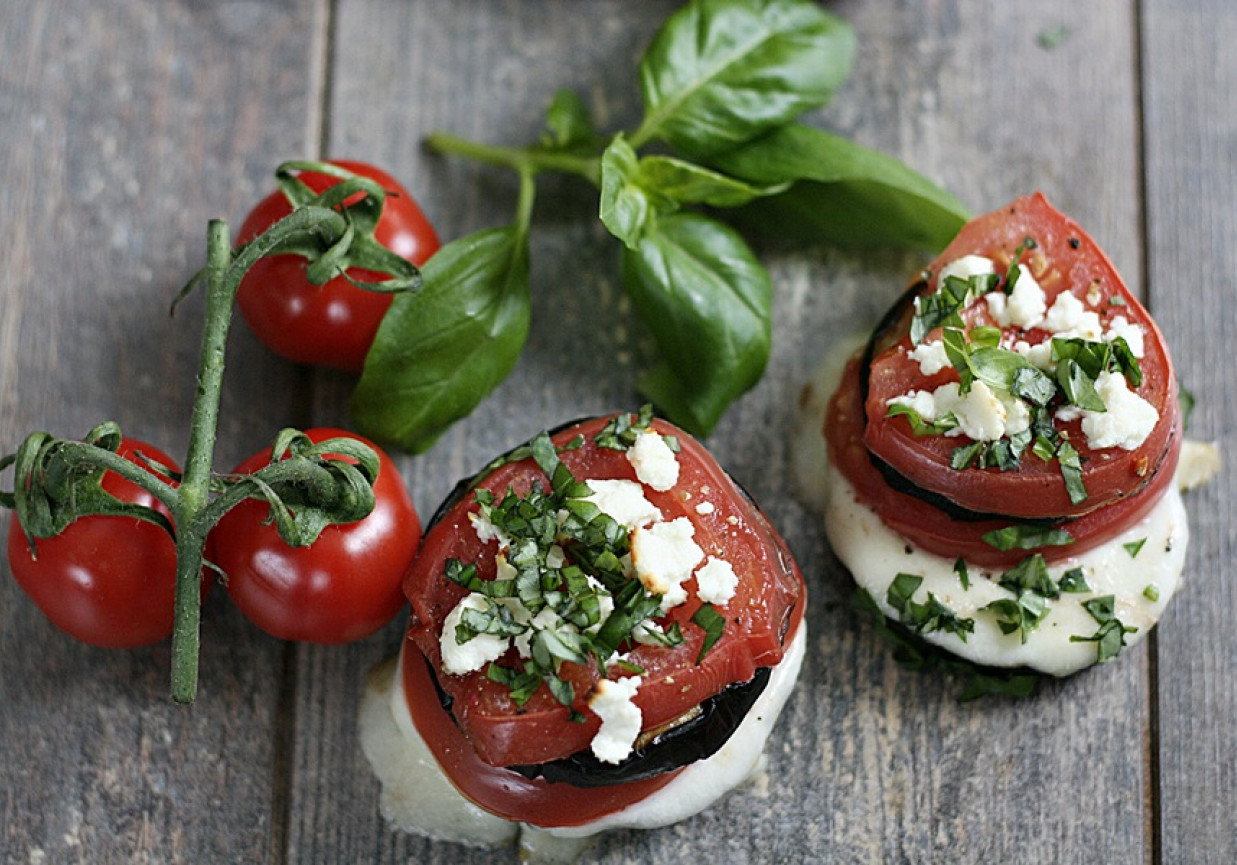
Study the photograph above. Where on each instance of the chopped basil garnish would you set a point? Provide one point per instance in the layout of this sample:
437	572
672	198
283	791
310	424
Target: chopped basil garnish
1134	547
926	617
1152	593
712	623
1027	537
919	656
1071	471
621	433
1011	274
943	307
963	576
1021	614
1110	638
1031	574
1073	581
919	426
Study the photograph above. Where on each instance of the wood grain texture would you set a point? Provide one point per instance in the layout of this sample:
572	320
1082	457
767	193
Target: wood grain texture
1191	173
127	125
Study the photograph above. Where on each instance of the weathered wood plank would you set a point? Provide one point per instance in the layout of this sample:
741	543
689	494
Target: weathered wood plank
127	125
1191	150
872	763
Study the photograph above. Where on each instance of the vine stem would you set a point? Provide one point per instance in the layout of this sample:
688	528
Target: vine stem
195	484
523	160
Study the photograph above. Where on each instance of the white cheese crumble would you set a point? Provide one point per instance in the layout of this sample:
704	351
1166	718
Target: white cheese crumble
1120	326
705	508
982	413
655	463
460	658
716	581
620	718
487	531
966	267
624	501
1038	355
1022	307
930	356
1069	318
1129	418
664	556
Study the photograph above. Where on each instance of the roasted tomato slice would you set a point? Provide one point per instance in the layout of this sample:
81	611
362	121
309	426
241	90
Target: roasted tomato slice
760	616
1062	259
938	531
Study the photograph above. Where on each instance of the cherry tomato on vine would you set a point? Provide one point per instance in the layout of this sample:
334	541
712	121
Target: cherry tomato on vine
344	586
332	324
106	580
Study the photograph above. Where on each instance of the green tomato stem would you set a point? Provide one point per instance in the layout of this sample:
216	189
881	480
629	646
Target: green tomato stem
520	159
195	484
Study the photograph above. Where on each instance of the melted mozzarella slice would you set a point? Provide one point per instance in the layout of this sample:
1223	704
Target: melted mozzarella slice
418	798
1140	584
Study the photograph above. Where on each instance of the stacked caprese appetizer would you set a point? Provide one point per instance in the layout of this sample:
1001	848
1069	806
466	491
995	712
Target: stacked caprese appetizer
1001	451
604	628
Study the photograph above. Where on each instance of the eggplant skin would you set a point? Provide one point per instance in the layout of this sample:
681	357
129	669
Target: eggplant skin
697	739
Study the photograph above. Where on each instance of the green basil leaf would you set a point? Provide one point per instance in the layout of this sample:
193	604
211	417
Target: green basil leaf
707	302
1078	387
626	206
439	352
568	124
721	72
687	183
843	193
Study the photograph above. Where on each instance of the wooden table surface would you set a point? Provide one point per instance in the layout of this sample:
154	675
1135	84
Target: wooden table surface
127	124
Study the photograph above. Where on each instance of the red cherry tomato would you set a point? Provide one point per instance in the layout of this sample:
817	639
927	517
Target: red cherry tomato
761	618
332	324
108	581
344	586
1066	260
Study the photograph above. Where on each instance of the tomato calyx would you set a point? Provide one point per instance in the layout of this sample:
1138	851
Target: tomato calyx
360	200
55	481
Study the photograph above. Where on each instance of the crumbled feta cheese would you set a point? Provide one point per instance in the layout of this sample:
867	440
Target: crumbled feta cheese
487	531
966	267
1132	333
664	556
460	658
716	581
982	414
620	718
930	356
1023	307
705	508
655	463
1069	318
624	501
1128	420
922	402
1038	355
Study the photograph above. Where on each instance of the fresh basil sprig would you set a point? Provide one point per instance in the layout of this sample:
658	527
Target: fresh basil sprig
723	83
